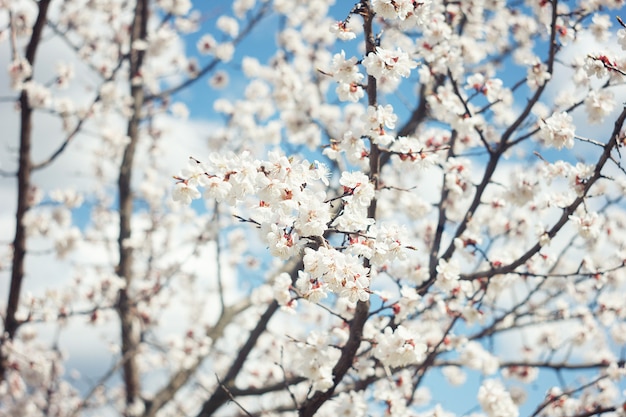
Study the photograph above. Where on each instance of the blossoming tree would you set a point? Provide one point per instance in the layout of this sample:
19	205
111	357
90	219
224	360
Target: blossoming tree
397	198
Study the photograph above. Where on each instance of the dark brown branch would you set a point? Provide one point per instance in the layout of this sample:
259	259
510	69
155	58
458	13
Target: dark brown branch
551	399
24	190
349	350
417	117
531	364
248	392
129	331
220	396
441	221
502	147
567	211
596	411
468	112
232	397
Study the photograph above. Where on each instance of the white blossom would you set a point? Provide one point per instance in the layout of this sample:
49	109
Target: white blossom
621	38
600	25
588	225
388	64
474	356
206	44
228	25
598	105
184	192
557	130
454	375
358	188
448	275
495	400
537	75
19	70
399	347
342	30
281	287
38	94
314	216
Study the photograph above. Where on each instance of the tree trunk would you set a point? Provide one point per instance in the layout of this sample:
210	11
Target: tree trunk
24	190
130	334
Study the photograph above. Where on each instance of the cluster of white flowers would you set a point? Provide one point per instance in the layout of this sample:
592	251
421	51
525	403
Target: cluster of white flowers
496	400
399	347
340	273
599	104
186	350
175	7
454	375
281	287
351	146
491	88
38	94
26	393
621	38
448	275
537	75
376	120
283	186
228	25
474	356
446	104
352	404
410	13
526	374
599	28
19	70
385	63
388	243
342	30
579	176
207	45
348	77
596	65
522	189
588	225
65	73
358	194
557	130
383	244
314	359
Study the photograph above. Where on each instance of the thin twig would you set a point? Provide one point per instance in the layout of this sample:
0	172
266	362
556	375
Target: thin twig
231	396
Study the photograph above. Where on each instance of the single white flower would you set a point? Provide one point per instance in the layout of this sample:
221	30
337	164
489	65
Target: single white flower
185	193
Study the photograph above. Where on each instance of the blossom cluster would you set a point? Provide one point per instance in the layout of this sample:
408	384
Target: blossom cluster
348	77
495	400
285	198
398	347
557	130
